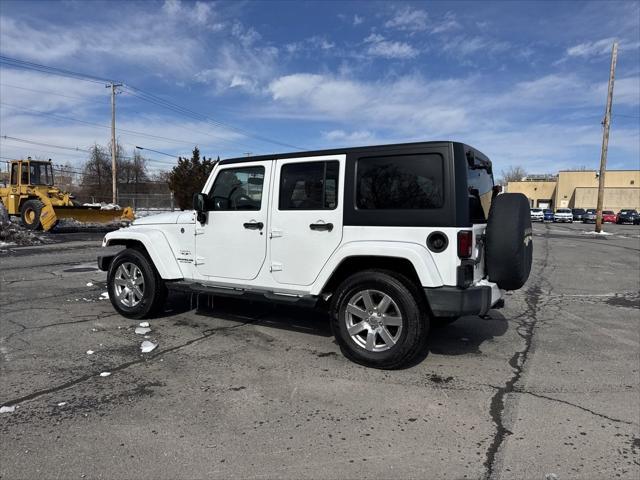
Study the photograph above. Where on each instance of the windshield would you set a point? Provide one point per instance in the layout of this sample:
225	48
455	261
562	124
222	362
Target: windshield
563	210
547	210
578	211
608	212
40	173
536	210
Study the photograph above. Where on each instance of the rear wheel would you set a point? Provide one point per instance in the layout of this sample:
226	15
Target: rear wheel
30	214
379	319
135	288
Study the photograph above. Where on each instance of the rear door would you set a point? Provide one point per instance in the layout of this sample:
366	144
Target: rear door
307	213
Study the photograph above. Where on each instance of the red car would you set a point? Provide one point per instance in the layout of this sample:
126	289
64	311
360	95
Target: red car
608	216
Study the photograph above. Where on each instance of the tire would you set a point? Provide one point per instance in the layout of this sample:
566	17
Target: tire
131	265
509	241
30	214
406	306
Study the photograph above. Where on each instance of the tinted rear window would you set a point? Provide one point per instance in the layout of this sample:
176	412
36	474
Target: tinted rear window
402	182
479	189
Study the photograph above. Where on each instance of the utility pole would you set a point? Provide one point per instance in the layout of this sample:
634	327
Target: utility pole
114	184
606	123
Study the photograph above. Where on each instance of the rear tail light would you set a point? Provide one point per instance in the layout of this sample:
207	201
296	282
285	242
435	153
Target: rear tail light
465	238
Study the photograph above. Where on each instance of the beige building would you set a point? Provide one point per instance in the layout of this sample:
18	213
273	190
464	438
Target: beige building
579	189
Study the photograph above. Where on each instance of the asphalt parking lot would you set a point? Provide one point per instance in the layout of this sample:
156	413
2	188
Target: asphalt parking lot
546	387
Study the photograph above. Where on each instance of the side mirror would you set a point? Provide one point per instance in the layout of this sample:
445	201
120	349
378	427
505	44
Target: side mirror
200	206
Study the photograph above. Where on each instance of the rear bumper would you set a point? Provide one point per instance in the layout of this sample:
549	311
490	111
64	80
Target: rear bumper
457	302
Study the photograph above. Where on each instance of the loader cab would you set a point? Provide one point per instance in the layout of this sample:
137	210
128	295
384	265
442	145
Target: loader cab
31	172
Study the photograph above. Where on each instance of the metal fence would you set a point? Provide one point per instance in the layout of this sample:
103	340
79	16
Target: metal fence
139	202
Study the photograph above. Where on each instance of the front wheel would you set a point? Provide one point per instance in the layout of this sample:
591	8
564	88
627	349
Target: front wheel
379	319
135	288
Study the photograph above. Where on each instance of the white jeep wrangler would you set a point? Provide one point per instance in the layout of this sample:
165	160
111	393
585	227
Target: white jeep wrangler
389	238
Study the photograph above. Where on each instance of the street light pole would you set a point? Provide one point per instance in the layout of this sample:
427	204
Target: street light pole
605	137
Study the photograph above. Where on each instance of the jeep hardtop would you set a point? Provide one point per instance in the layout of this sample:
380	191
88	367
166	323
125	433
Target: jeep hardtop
390	239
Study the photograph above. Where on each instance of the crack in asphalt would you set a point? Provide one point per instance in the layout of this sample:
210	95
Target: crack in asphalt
584	409
205	334
518	361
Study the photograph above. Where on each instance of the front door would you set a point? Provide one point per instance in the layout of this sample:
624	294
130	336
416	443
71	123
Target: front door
306	225
232	243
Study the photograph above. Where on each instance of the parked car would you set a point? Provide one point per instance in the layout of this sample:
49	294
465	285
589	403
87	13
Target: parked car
374	235
589	216
563	215
608	216
577	214
548	215
537	215
626	215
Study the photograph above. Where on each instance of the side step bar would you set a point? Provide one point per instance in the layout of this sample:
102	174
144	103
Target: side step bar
308	301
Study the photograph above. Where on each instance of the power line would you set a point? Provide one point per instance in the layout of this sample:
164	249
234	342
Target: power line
14	62
146	96
151	98
49	92
78	149
132	132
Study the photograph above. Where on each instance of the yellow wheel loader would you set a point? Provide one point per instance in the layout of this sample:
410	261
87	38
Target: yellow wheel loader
32	194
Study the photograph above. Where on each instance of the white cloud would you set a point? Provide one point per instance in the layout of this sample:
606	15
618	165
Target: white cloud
589	49
408	19
240	67
357	20
358	136
505	124
379	47
449	22
246	35
471	45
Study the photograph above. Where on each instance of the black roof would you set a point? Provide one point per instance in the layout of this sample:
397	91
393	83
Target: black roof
333	151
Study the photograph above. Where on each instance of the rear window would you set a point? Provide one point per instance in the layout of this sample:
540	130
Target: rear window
608	212
479	189
402	182
578	211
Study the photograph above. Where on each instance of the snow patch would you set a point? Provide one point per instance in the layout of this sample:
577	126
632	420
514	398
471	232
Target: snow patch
144	324
105	374
596	233
89	284
142	330
104	296
147	346
62	404
8	409
90	352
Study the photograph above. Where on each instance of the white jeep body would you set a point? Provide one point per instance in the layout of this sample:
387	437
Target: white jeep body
290	254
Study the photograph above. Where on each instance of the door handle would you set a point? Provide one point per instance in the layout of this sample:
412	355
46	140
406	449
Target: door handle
321	226
254	225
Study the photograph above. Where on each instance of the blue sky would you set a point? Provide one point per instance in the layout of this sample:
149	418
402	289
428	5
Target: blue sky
524	82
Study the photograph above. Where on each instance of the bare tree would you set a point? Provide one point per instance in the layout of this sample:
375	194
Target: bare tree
512	174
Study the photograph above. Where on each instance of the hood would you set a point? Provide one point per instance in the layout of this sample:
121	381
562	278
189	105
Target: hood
166	218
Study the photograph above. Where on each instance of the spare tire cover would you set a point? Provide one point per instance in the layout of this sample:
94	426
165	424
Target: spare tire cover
509	241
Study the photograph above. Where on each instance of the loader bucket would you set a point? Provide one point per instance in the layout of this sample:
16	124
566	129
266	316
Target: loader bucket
94	215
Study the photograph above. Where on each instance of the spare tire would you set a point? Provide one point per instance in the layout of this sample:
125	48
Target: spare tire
509	241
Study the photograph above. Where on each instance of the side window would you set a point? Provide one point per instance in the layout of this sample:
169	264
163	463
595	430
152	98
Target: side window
402	182
14	174
309	186
237	189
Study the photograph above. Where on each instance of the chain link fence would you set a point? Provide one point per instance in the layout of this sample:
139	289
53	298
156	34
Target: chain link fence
142	203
